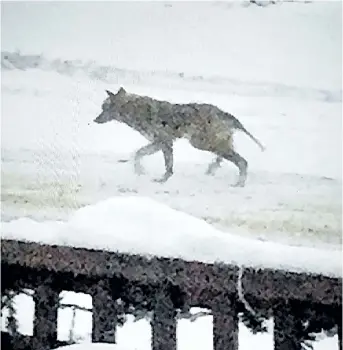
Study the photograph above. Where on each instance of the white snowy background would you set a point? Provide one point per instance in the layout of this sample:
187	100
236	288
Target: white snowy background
276	68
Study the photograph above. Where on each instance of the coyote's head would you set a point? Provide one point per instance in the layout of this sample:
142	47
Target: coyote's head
111	106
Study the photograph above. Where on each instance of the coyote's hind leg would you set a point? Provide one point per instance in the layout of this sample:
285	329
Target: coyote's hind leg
214	165
223	144
168	154
241	164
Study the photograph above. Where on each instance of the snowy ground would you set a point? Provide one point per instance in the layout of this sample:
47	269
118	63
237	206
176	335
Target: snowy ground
278	69
54	159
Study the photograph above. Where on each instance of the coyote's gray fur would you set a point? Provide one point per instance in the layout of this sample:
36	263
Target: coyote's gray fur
206	127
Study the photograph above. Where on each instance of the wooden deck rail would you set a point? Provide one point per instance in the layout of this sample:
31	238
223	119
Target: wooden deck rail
164	285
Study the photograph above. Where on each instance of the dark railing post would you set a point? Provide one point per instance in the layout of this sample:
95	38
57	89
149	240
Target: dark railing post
285	328
164	322
339	330
45	319
225	323
104	313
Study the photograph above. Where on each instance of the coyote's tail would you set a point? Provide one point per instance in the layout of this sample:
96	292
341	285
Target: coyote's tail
253	138
238	125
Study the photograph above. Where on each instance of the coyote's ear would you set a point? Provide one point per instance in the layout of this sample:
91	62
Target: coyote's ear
121	91
110	94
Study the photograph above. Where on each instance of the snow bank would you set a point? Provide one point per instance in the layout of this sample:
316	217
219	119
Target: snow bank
140	225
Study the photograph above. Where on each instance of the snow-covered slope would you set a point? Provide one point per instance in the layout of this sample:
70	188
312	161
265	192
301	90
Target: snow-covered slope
110	74
277	68
289	43
56	160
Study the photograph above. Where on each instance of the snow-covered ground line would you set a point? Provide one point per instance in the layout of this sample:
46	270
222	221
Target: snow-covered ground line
133	335
130	224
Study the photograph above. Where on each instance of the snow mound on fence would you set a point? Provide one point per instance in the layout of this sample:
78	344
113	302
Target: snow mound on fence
141	225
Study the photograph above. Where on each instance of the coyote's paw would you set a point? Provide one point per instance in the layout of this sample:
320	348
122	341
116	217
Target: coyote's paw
139	170
239	184
213	167
210	171
161	180
164	178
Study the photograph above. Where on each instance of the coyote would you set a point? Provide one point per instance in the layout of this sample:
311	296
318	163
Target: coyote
207	128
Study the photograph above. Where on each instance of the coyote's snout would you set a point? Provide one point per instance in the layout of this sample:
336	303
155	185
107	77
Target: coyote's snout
100	119
206	127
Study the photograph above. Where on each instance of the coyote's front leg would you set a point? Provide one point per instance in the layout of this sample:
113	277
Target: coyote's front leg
147	150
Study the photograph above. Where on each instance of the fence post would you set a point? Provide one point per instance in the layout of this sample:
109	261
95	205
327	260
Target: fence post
104	318
339	331
285	328
225	323
164	321
45	319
